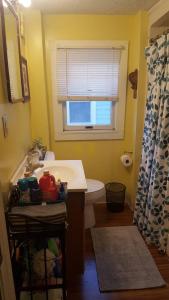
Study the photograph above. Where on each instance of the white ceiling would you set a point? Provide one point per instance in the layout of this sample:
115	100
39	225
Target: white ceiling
92	6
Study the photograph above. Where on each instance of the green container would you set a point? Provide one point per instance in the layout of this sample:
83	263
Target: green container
23	184
32	182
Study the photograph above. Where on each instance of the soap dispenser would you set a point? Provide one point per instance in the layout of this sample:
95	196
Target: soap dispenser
62	192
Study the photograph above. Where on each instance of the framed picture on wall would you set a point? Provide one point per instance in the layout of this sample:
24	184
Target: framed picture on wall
25	79
10	53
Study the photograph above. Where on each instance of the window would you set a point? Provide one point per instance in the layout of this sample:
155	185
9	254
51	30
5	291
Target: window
89	87
82	115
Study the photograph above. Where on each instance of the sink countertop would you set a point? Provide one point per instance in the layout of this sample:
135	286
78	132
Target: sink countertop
70	171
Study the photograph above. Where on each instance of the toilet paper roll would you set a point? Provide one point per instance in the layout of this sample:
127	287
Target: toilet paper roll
126	160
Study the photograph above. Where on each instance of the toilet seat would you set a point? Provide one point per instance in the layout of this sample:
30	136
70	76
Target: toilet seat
95	192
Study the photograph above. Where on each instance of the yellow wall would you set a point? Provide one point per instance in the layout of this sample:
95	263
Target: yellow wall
101	159
16	144
37	75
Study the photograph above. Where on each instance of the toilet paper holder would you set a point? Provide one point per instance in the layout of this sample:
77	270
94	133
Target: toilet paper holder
126	159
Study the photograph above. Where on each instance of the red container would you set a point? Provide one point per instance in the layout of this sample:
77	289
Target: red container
48	186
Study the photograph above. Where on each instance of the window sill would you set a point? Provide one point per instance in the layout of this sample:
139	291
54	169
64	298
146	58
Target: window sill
94	135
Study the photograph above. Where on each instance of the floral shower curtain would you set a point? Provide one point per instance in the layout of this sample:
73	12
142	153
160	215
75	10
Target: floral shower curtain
152	202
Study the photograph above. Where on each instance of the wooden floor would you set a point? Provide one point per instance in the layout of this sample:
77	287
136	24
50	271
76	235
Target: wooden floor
86	287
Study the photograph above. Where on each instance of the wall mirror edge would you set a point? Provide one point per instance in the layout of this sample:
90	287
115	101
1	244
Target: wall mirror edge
13	81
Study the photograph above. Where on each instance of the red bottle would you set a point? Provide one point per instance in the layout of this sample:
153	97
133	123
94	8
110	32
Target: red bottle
48	186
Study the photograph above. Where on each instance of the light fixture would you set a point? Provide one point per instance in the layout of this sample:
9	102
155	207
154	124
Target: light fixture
5	4
25	3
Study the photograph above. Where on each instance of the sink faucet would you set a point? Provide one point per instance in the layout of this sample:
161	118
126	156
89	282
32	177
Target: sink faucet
33	162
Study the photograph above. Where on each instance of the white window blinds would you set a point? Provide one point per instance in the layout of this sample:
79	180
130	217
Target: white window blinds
87	74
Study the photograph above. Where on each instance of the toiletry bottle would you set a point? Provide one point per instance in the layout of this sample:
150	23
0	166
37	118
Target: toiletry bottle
35	191
24	190
62	192
48	186
33	182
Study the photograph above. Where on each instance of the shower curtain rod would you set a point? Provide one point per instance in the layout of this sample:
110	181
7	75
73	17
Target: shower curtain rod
152	40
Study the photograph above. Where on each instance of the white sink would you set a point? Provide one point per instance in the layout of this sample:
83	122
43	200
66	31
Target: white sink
63	173
70	171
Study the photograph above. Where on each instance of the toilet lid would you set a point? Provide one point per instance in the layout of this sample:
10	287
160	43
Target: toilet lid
95	190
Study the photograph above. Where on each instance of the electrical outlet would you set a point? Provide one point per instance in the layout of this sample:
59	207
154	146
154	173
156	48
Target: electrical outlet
4	124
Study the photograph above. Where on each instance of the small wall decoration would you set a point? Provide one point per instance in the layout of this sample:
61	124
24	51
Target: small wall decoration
133	78
25	80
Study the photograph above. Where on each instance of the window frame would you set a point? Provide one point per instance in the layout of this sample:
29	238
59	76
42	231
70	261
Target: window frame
117	130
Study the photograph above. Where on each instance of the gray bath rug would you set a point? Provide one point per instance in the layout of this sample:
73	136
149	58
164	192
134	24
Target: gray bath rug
123	261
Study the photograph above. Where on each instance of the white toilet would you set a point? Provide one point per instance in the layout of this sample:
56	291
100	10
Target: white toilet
95	193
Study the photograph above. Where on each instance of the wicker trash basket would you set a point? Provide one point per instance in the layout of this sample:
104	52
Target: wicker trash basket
115	196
